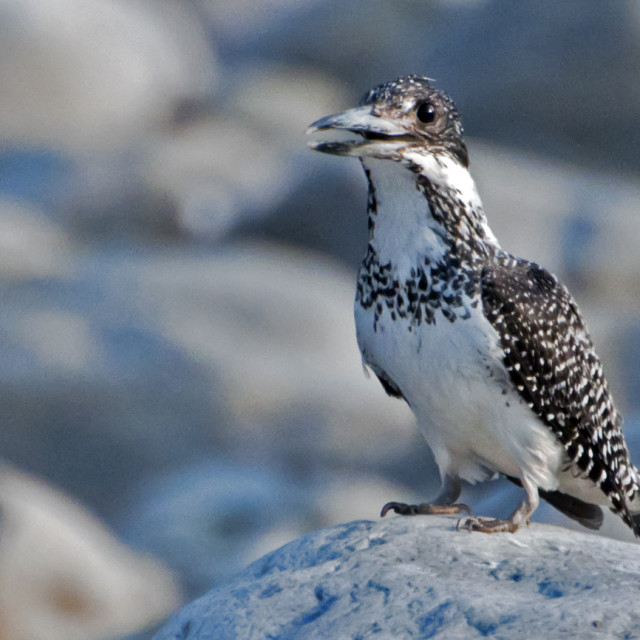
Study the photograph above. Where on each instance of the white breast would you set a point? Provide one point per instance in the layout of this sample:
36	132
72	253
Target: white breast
451	375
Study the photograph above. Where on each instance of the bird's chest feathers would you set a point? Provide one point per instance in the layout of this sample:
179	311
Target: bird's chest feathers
427	346
418	312
412	284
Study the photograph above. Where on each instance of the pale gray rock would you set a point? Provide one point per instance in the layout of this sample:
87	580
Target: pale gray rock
243	160
64	576
420	578
31	245
85	76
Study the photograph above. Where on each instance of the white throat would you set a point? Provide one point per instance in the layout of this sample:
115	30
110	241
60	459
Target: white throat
404	225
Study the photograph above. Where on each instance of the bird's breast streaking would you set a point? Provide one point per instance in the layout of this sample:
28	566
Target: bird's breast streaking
489	350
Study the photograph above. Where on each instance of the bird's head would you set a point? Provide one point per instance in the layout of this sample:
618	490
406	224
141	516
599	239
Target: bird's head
408	116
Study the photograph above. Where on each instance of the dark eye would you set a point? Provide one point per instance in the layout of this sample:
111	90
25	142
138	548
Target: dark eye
426	112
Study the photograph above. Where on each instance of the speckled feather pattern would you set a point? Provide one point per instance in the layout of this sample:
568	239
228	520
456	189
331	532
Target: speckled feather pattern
447	267
433	285
393	95
552	363
547	351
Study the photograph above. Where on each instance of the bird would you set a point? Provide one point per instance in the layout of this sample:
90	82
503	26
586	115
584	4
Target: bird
489	350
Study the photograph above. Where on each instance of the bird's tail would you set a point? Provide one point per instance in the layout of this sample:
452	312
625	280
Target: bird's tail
588	515
633	503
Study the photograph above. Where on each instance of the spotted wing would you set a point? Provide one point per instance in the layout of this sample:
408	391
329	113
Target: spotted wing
552	363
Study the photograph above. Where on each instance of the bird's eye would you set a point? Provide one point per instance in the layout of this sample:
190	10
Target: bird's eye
426	112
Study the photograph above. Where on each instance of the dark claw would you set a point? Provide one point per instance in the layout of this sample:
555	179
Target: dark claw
400	508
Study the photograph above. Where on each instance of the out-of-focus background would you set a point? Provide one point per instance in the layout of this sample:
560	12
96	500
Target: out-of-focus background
180	386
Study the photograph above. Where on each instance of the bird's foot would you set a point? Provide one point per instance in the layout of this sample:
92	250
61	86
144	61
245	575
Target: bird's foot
426	509
486	525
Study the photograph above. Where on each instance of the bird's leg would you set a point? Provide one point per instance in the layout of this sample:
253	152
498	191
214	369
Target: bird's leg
442	505
496	525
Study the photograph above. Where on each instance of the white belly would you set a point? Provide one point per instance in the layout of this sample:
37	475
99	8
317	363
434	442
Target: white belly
452	377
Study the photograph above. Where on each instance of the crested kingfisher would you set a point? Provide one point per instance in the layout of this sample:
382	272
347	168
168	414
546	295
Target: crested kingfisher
489	350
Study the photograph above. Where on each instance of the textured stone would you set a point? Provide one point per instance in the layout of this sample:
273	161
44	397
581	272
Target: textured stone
419	578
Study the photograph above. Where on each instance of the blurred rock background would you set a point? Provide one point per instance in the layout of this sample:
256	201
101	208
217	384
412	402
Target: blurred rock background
177	350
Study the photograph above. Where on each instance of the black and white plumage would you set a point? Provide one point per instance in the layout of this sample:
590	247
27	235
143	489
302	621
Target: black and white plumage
489	350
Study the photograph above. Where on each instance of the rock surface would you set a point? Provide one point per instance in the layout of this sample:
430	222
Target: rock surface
419	578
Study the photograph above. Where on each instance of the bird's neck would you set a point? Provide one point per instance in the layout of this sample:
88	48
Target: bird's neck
425	207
